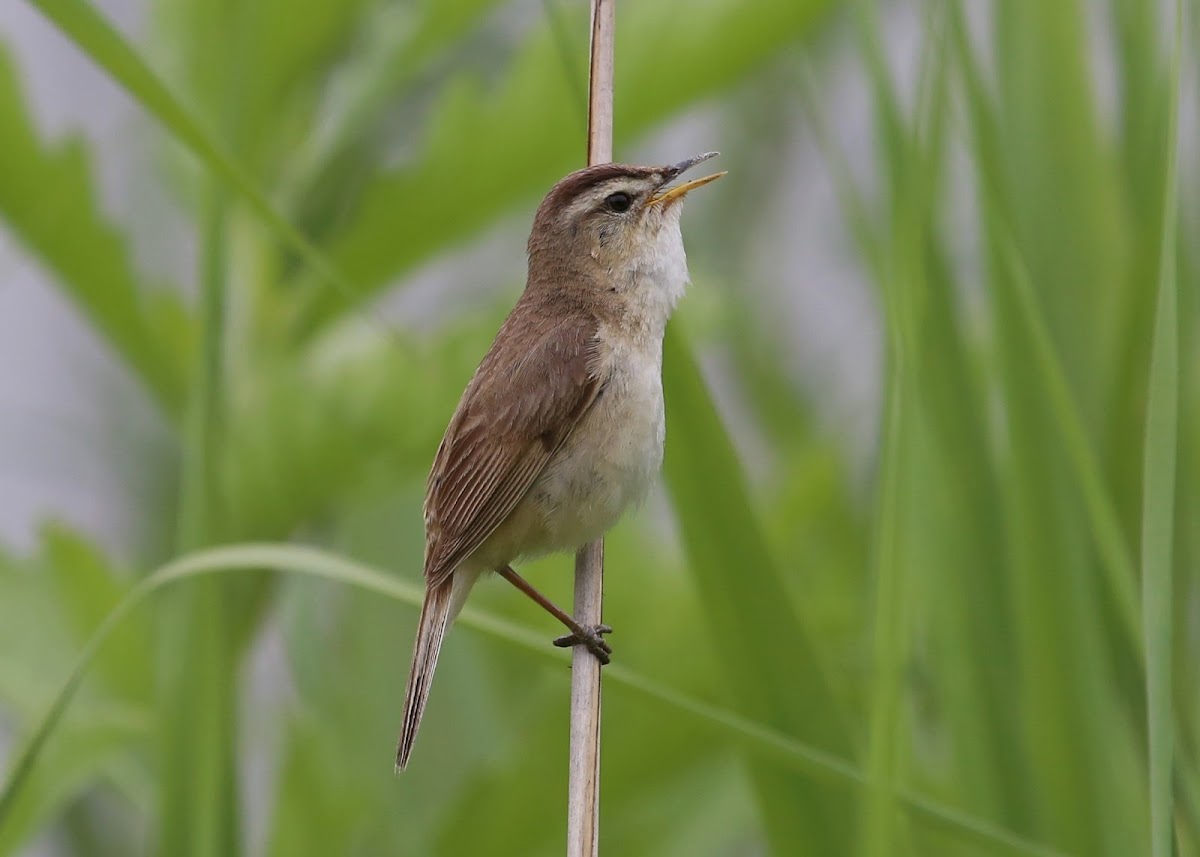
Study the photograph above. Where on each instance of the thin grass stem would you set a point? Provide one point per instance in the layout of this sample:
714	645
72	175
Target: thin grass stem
583	795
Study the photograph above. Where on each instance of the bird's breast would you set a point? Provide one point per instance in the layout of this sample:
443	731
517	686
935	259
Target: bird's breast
613	456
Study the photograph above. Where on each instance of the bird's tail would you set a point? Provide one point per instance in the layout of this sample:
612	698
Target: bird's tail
436	613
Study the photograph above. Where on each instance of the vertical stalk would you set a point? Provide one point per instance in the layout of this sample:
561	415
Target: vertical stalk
600	83
199	806
583	801
199	774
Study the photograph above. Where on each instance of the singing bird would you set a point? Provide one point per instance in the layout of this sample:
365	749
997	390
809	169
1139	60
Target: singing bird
561	428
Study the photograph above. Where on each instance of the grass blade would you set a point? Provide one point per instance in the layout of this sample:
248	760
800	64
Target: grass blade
198	691
890	619
1102	513
754	737
1158	505
770	664
910	155
1071	602
1110	539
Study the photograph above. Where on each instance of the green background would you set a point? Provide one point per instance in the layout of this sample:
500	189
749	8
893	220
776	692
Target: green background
954	611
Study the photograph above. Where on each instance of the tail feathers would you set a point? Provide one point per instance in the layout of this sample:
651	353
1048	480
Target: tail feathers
435	617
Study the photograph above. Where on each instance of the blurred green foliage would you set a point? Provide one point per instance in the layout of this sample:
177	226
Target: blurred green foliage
953	662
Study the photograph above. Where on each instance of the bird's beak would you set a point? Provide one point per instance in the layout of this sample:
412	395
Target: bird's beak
666	195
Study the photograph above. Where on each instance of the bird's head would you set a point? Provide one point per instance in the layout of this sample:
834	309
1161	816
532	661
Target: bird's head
612	217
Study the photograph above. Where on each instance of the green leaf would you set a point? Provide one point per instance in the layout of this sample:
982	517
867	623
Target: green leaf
394	53
32	609
48	198
770	665
531	121
45	611
93	35
308	433
260	65
88	589
84	749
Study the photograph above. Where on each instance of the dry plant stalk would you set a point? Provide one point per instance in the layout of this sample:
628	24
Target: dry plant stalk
583	802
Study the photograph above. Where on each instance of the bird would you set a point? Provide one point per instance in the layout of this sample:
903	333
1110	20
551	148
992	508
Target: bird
561	428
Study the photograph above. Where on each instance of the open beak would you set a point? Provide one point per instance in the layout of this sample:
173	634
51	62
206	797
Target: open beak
666	195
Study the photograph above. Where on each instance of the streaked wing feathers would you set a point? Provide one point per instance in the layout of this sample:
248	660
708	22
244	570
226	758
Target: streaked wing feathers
529	393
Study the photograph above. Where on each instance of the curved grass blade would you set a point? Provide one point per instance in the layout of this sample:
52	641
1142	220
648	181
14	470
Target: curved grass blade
755	737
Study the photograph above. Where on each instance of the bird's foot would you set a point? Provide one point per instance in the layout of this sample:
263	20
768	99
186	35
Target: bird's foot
592	638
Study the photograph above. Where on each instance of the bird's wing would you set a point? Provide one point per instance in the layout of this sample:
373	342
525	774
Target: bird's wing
535	384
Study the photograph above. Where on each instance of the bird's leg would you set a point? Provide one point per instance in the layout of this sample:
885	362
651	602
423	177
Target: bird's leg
591	637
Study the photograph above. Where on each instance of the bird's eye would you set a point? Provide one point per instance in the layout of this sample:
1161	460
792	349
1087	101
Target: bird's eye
618	202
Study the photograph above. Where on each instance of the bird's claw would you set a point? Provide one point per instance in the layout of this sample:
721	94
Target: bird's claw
592	638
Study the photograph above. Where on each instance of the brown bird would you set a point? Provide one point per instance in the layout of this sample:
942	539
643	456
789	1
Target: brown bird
561	428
